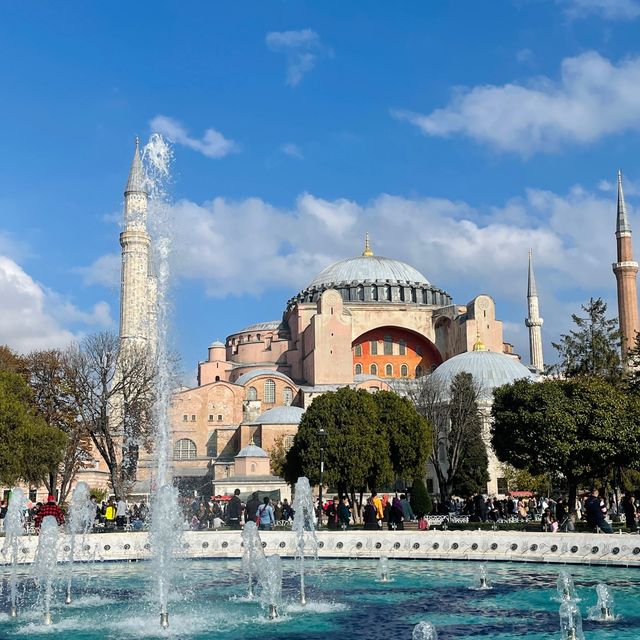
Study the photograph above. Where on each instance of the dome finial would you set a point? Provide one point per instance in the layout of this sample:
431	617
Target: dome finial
367	246
479	345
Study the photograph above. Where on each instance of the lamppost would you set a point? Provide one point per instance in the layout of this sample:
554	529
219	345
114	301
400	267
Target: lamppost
322	434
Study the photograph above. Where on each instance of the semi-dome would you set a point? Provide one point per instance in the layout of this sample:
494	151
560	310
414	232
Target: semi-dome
488	368
280	415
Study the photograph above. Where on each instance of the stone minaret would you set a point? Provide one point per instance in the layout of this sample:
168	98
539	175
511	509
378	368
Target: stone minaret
137	297
534	321
626	271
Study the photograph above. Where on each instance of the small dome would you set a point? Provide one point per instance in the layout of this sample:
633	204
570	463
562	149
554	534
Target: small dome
252	451
488	368
370	268
217	343
280	415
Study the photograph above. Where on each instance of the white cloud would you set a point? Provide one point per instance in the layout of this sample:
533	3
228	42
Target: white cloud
525	56
609	9
292	150
34	317
212	144
593	98
301	48
104	271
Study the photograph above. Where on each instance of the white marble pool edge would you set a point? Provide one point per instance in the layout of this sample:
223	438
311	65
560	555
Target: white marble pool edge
509	546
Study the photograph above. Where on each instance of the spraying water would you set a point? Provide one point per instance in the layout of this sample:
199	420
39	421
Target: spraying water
481	579
165	513
14	528
424	631
570	621
270	579
44	564
304	527
566	588
252	553
603	611
383	569
82	513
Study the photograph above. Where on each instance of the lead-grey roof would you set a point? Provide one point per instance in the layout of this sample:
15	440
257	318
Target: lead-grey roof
262	326
369	268
280	415
250	375
252	451
136	183
488	368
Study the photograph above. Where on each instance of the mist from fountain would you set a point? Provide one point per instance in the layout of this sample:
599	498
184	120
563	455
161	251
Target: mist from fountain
252	553
270	580
13	529
82	513
424	631
304	528
565	586
44	564
382	570
570	621
603	611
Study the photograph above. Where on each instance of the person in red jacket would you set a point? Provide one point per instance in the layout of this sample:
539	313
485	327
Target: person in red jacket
49	509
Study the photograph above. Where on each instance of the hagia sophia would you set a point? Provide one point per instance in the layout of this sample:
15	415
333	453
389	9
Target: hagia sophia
369	322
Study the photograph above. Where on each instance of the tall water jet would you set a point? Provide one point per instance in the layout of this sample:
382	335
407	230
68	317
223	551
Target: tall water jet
252	553
304	528
13	529
270	579
424	631
603	611
570	621
383	569
165	512
44	564
565	586
82	513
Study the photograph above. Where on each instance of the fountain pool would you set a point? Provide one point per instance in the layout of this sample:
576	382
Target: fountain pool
344	599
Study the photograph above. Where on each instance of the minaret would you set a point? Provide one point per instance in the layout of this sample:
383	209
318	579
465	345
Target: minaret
135	242
626	271
533	320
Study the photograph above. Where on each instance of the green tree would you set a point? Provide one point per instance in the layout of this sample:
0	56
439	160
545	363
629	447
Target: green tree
576	428
29	448
593	348
420	498
278	457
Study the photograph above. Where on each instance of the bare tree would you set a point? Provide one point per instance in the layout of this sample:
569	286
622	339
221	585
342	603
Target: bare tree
113	391
456	420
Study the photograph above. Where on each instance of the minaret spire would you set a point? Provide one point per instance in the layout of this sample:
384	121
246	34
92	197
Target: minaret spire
136	180
367	246
626	271
533	320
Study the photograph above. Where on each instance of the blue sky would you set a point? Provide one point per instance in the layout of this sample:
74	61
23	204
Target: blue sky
459	134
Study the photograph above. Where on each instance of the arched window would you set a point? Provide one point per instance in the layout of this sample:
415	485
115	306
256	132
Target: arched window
358	350
387	293
184	449
404	370
269	391
287	396
360	293
373	369
388	370
252	393
374	292
287	442
358	369
418	371
253	467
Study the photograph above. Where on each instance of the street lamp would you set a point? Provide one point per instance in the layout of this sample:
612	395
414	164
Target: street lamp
322	434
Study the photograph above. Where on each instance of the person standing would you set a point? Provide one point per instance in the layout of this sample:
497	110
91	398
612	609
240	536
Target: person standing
370	516
121	514
333	517
407	511
344	513
596	511
49	509
252	507
377	503
234	510
629	508
265	515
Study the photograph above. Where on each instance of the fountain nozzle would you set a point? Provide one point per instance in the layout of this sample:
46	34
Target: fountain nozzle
14	611
303	599
67	600
384	577
164	620
571	634
273	612
483	583
46	619
605	613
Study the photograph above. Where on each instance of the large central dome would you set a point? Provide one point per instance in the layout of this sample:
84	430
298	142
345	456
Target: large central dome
368	268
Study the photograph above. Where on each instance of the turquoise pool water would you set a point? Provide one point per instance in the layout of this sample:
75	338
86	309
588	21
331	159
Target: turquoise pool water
345	601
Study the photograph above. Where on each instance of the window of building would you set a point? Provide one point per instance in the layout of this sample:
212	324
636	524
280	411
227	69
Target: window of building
287	396
402	345
185	418
374	292
503	485
252	393
358	369
401	294
360	293
184	449
404	370
253	467
429	485
374	389
358	349
219	417
418	371
388	370
193	417
211	417
387	293
287	442
413	296
211	451
269	391
373	369
388	346
374	347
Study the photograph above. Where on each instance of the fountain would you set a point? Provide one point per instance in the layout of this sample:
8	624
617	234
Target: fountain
45	563
82	513
566	588
252	553
383	569
570	621
603	611
424	631
302	524
14	528
270	580
481	579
